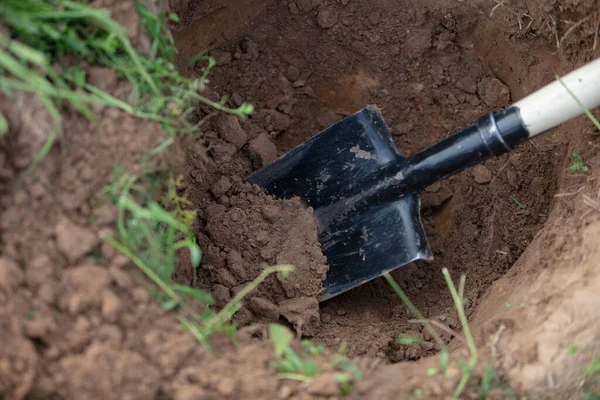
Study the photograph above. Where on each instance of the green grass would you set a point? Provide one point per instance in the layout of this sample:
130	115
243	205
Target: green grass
44	32
487	381
467	366
154	231
305	366
593	368
408	340
591	378
444	355
517	202
572	349
154	223
288	363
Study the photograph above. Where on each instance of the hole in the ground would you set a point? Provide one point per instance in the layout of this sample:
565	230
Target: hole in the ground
431	71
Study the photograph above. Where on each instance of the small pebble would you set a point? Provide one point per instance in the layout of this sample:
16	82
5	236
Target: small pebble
481	174
327	18
292	73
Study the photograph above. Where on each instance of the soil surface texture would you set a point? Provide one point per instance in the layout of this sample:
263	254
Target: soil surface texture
76	317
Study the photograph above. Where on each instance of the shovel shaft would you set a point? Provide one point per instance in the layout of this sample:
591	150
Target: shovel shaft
493	135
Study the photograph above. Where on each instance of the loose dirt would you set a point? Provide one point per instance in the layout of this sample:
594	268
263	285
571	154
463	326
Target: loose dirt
77	321
243	230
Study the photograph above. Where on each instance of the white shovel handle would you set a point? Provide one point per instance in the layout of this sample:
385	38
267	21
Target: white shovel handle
553	104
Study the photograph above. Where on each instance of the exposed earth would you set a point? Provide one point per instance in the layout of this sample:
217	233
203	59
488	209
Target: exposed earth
76	318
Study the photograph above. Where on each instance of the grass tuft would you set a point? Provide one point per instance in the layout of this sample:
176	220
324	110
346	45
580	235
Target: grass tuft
151	232
44	34
578	164
304	367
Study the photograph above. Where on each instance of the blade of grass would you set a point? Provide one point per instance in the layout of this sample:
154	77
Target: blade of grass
141	265
414	310
51	137
581	105
458	303
227	312
3	125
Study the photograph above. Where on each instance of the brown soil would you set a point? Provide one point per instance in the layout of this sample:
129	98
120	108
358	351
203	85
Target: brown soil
77	322
242	230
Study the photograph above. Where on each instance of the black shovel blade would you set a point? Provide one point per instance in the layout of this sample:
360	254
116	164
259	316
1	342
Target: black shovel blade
328	172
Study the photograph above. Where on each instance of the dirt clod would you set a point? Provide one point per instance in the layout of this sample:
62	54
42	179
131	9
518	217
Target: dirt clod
305	5
292	73
229	129
11	276
272	121
221	186
262	150
221	57
324	385
74	241
18	360
40	325
264	308
327	17
481	174
105	372
271	213
493	92
111	306
83	287
302	312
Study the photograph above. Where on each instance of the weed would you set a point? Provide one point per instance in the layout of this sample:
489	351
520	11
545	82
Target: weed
578	165
458	298
3	125
311	348
288	362
591	374
148	229
45	32
340	359
305	366
593	368
151	233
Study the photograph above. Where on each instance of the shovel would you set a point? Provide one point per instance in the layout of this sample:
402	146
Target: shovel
366	195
